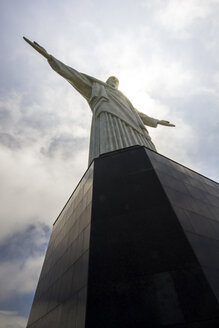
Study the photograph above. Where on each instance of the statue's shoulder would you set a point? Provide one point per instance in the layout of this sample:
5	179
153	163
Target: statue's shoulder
94	80
108	88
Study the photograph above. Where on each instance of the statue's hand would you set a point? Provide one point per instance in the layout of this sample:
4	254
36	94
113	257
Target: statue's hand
38	48
166	123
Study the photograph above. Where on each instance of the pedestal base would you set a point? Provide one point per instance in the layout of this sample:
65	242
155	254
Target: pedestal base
137	245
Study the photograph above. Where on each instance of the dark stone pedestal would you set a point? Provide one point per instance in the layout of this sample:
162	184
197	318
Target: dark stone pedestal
137	245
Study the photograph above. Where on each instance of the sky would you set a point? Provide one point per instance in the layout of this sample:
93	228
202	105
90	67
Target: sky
165	54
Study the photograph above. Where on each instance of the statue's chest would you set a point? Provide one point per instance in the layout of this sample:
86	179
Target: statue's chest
119	99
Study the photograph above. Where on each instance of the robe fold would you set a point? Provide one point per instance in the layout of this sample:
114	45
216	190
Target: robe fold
116	123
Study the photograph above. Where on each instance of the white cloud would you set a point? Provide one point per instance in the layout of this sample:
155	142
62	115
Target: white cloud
183	135
19	276
35	187
216	79
142	64
43	141
11	319
169	77
22	261
179	16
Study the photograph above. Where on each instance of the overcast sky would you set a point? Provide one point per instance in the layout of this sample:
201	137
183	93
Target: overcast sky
165	54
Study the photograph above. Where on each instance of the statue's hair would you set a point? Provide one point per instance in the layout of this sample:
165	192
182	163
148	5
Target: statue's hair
114	77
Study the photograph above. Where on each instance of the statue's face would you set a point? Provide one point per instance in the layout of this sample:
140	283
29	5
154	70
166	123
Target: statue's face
113	82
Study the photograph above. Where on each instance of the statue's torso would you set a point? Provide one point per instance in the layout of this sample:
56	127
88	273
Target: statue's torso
110	100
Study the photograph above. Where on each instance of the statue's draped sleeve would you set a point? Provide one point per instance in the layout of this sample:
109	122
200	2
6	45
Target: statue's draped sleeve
81	82
147	120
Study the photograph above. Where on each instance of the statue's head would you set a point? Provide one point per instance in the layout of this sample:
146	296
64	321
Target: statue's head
113	82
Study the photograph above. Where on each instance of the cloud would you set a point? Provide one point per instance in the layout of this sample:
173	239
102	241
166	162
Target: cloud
55	111
36	186
22	259
9	141
179	17
11	319
41	142
22	276
64	144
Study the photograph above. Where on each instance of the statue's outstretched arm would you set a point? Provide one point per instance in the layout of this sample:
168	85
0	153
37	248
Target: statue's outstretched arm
38	48
78	80
153	122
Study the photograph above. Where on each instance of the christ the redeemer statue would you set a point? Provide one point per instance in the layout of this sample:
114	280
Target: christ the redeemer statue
116	123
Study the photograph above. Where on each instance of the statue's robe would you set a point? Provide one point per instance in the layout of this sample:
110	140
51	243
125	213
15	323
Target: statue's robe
116	123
